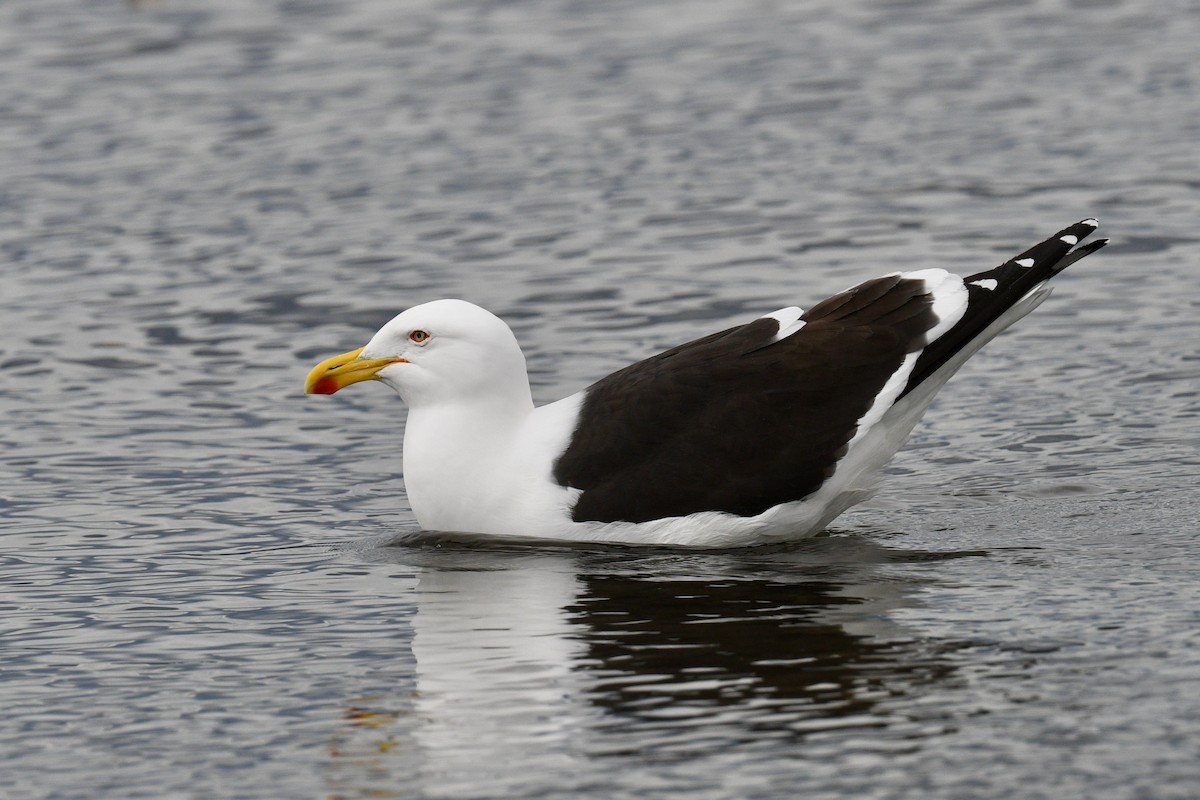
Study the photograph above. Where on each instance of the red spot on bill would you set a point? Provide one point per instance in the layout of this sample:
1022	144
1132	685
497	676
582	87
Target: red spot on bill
325	386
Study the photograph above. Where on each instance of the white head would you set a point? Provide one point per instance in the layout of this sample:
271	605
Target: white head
441	352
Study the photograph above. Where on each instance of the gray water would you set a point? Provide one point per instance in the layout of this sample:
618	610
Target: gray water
212	585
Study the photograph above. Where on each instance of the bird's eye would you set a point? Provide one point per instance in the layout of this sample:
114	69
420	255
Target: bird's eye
419	336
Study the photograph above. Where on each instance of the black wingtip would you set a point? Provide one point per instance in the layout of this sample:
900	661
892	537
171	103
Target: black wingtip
1073	234
1078	253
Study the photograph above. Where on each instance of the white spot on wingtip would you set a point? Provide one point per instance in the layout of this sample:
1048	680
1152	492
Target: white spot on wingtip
1090	222
986	283
1069	239
1024	262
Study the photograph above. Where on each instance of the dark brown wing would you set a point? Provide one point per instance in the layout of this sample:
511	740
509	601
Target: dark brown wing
739	422
736	422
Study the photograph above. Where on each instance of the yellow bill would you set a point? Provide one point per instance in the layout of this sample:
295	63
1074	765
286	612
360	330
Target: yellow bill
339	372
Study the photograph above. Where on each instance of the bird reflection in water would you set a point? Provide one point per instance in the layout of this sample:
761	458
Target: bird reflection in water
529	663
785	657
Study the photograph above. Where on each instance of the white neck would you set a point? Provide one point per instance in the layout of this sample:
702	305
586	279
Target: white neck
456	458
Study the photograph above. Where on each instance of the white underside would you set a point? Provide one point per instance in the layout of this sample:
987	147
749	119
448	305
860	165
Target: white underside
505	487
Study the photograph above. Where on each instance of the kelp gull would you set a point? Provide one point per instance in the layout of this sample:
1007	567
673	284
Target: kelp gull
760	433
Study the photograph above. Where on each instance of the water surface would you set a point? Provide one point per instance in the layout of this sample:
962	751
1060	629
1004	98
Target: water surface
213	585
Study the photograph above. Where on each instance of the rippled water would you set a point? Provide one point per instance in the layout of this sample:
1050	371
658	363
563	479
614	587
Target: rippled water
212	584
